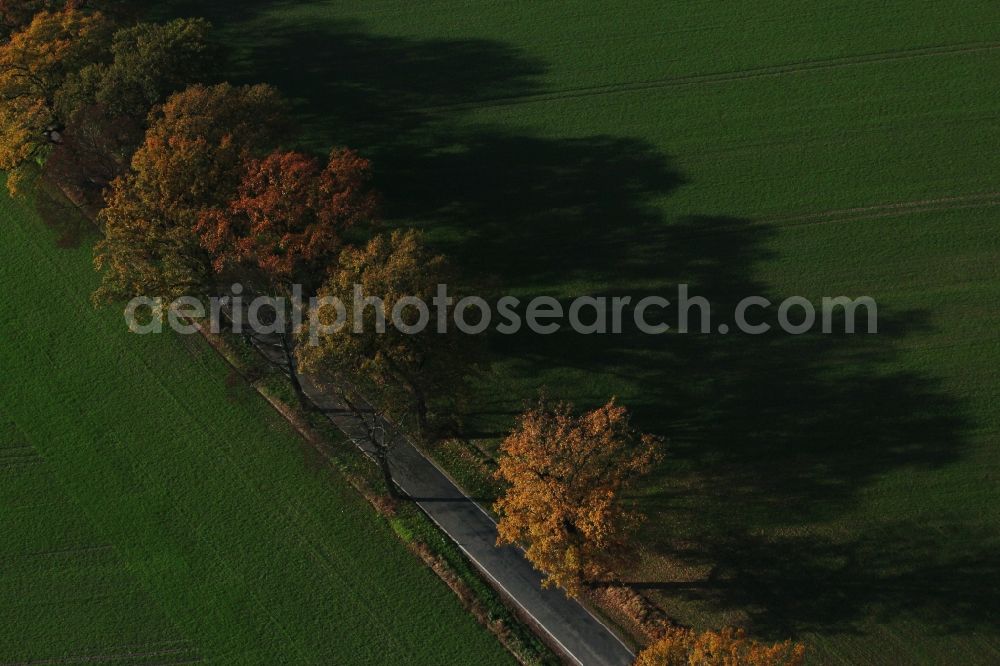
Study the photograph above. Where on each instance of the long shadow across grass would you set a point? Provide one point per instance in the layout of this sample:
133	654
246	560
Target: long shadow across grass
769	434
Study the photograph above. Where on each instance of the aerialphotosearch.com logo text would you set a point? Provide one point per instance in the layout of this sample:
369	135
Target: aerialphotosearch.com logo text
543	315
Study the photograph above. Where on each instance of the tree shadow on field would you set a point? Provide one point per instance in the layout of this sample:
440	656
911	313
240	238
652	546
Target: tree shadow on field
394	98
769	434
71	226
406	104
533	213
220	12
782	585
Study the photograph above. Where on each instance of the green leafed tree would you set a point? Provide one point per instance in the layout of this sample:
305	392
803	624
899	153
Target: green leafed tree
148	62
403	375
105	105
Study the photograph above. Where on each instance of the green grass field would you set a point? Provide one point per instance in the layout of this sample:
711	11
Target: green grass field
843	490
151	513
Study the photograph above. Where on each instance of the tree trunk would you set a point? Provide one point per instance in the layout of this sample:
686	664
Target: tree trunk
377	434
304	402
382	455
420	404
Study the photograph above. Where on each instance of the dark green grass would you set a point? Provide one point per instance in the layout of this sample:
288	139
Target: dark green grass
66	591
172	507
842	490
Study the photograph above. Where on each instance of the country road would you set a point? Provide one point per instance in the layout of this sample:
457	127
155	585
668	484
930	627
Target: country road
567	625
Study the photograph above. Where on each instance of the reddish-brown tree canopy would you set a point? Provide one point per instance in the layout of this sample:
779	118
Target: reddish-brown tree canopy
289	214
190	160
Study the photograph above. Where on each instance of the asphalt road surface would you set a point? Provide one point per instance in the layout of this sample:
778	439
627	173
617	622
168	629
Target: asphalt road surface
580	636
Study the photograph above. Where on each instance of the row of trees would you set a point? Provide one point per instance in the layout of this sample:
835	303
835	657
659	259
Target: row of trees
196	190
196	193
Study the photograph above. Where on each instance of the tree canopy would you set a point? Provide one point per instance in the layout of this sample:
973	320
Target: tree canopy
288	217
196	142
73	92
565	476
728	647
148	62
34	65
401	371
16	14
189	161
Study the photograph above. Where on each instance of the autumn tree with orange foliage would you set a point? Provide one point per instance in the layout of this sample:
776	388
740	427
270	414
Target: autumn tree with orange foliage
190	160
34	65
728	647
285	225
565	476
287	220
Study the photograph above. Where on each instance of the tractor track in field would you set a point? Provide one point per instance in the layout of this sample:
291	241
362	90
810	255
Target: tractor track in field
26	457
798	67
873	212
878	211
19	463
81	551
